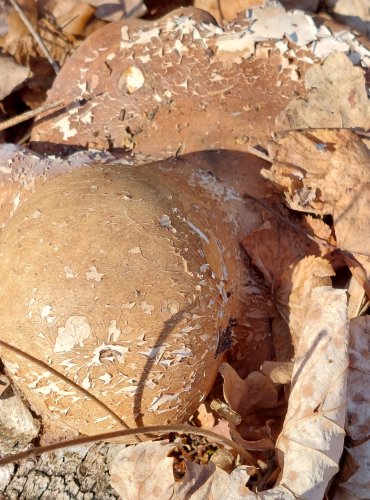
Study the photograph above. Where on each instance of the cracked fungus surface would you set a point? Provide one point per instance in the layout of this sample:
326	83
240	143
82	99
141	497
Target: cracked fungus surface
120	285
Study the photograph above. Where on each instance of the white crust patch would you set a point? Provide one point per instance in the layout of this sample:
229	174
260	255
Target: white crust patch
133	78
64	126
75	331
93	274
70	273
113	331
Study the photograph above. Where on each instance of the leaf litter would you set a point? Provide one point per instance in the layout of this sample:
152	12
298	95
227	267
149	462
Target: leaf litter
292	411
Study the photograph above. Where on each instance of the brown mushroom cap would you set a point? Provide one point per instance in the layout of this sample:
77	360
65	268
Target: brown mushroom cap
179	84
121	279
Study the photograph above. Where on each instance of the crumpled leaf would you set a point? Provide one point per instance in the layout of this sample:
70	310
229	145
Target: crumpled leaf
279	373
256	392
144	469
311	168
256	400
12	75
276	246
211	482
351	217
312	438
287	259
328	172
337	98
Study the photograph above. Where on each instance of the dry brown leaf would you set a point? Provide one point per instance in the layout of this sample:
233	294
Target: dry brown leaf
281	339
12	75
56	29
311	441
279	373
211	482
327	172
255	399
357	297
144	471
294	294
72	17
351	216
275	247
256	392
226	9
205	417
311	168
280	253
337	98
262	444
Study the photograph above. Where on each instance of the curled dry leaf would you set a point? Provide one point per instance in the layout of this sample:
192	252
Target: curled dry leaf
256	392
12	75
311	441
279	373
280	242
249	398
312	169
286	256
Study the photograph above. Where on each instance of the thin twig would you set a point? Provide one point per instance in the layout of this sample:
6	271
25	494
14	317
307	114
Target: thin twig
154	429
35	35
28	115
65	379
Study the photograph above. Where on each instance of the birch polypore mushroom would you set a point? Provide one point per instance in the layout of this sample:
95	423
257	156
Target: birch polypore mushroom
121	279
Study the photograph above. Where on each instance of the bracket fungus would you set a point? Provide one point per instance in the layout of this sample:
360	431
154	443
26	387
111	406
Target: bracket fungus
120	278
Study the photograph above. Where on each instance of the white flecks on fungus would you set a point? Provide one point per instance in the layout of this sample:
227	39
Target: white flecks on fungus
74	332
94	275
131	80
